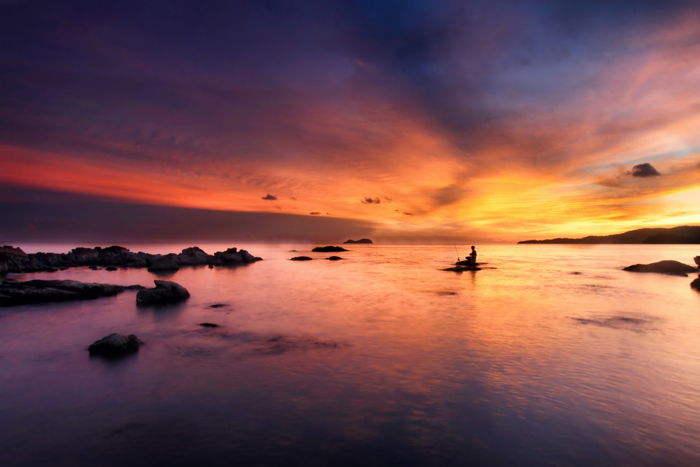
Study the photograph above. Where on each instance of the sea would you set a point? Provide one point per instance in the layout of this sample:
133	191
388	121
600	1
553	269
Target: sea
549	355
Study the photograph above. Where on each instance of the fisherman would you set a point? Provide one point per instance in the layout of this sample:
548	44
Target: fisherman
472	257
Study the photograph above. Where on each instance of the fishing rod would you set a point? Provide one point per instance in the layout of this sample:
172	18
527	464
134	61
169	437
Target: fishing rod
456	252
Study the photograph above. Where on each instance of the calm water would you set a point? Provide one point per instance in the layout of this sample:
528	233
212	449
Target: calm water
381	359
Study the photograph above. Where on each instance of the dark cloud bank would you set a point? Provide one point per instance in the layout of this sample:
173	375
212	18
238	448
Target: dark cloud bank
39	215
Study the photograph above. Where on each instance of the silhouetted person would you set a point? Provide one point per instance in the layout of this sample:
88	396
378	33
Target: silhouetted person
472	257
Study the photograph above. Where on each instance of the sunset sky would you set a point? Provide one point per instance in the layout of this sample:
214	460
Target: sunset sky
474	120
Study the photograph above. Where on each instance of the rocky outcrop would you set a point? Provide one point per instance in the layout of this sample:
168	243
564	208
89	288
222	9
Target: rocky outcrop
300	258
334	258
45	291
115	345
234	257
14	260
165	292
360	241
328	249
674	268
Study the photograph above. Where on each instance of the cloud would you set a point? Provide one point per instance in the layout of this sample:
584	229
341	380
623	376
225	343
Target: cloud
269	197
369	200
644	170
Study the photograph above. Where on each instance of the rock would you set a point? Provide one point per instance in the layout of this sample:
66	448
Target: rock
328	249
218	305
94	268
209	325
43	291
165	263
233	257
696	284
163	293
334	258
362	240
115	345
670	267
300	258
111	268
11	258
697	260
193	256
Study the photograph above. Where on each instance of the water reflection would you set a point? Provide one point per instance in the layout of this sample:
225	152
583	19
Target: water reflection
382	358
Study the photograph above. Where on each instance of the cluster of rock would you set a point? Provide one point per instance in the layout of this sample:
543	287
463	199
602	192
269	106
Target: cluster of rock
14	260
360	241
44	291
308	258
328	249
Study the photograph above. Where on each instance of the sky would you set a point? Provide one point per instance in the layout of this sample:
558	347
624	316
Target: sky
401	120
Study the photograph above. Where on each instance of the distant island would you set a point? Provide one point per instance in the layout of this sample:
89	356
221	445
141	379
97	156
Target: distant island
362	240
684	235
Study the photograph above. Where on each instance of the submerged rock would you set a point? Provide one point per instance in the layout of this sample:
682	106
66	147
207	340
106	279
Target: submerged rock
362	240
334	258
209	325
44	291
674	268
218	305
300	258
163	293
463	268
115	345
328	249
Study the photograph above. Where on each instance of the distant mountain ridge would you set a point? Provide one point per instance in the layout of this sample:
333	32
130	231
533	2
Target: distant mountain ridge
682	235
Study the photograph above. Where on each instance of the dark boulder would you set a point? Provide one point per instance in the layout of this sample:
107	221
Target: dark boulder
670	267
44	291
300	258
697	260
115	345
696	284
360	241
334	258
163	293
167	263
111	268
328	249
